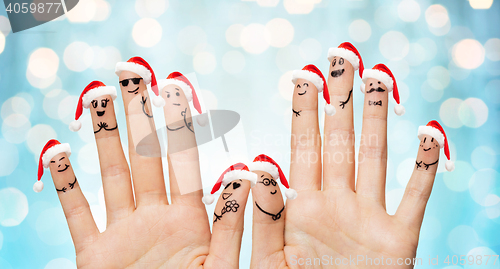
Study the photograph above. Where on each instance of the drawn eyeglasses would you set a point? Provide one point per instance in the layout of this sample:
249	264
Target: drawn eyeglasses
267	182
134	80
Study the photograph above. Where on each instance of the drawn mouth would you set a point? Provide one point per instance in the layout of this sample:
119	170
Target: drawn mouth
65	168
302	93
100	113
274	192
427	149
134	91
176	104
337	73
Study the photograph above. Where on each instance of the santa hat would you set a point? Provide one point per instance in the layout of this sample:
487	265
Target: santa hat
347	51
51	149
182	82
236	171
92	91
142	68
383	74
267	164
312	74
435	130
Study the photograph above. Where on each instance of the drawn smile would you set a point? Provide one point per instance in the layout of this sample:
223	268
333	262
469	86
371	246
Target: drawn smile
174	129
134	91
302	93
274	192
65	168
427	149
337	73
100	113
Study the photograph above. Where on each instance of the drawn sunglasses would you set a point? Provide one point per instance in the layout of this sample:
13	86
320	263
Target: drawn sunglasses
134	80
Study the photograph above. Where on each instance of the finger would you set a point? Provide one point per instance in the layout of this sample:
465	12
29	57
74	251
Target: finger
184	165
417	193
268	220
144	147
305	164
228	223
372	159
76	208
338	150
114	168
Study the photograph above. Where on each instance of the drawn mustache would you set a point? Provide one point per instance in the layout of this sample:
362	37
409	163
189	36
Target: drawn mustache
379	89
337	73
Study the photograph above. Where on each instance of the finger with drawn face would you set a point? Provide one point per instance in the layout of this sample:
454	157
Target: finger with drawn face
432	139
184	167
76	208
115	173
338	153
305	166
228	218
143	143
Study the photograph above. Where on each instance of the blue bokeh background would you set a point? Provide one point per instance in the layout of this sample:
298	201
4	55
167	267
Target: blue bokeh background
445	56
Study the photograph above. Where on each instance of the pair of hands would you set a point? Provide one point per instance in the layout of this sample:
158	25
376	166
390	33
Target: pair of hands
333	215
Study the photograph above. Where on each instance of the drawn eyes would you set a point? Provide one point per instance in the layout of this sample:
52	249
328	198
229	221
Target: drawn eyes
267	182
94	103
432	140
104	102
425	138
306	84
371	84
379	82
298	86
176	94
341	61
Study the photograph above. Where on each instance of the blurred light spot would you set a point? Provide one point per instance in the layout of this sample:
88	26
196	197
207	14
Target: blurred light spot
150	8
438	77
400	69
483	252
430	94
483	157
456	72
473	112
84	12
99	217
15	127
436	16
287	57
255	38
480	4
408	10
5	25
482	184
456	34
60	263
493	91
416	55
493	211
285	86
13	207
458	180
462	238
468	53
298	6
43	63
38	136
15	105
492	47
393	199
189	38
2	42
404	92
40	83
51	102
204	63
103	9
441	31
1	243
449	113
233	62
268	3
385	16
9	158
360	30
431	228
233	35
209	99
403	133
52	228
430	48
281	32
88	158
310	49
66	109
112	57
394	45
147	32
239	13
404	170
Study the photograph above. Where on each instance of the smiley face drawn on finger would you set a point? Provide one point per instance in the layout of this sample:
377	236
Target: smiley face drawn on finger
302	89
100	103
375	87
429	146
177	105
429	143
61	164
269	183
337	61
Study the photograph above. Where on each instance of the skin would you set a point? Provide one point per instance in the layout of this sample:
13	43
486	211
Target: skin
60	166
306	95
103	113
429	149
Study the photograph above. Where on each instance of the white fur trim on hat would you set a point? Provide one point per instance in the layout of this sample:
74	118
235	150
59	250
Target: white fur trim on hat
266	167
139	69
382	76
188	92
239	174
53	151
98	92
309	76
428	130
346	54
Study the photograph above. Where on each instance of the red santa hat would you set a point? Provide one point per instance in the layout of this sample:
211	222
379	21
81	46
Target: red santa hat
267	164
94	90
236	171
383	74
347	51
312	74
435	130
51	149
142	68
182	82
